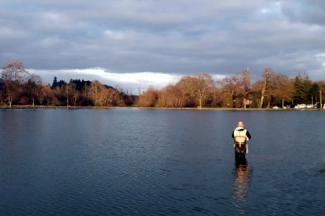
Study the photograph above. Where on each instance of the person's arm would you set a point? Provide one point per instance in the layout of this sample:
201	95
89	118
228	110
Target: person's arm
248	135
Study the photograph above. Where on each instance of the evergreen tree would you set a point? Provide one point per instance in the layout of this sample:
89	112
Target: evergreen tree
299	95
314	92
302	85
55	82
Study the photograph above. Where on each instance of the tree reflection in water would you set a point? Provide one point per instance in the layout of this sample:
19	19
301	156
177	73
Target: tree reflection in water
241	186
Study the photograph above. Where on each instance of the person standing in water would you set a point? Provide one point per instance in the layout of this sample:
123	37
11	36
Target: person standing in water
241	135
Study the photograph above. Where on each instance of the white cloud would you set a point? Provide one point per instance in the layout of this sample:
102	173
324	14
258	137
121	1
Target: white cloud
132	81
10	33
320	57
129	81
116	35
274	8
49	41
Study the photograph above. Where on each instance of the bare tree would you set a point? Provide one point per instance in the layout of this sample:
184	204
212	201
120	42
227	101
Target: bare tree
148	98
171	96
229	90
196	89
244	87
204	85
15	71
94	92
321	93
281	87
266	81
32	90
12	91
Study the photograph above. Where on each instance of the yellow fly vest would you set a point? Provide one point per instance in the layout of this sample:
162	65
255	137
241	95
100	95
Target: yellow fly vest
240	136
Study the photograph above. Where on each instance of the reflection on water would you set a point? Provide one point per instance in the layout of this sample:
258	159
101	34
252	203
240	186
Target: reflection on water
127	162
241	186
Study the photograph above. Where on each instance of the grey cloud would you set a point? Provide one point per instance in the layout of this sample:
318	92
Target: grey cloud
309	11
183	36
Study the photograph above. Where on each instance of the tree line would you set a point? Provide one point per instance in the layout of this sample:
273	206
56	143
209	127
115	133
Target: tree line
237	91
19	87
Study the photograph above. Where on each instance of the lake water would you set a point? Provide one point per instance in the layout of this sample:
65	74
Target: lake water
160	162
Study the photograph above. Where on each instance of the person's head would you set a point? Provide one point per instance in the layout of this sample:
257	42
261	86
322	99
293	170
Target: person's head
241	124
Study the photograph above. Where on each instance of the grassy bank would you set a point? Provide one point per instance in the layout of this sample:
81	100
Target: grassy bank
150	108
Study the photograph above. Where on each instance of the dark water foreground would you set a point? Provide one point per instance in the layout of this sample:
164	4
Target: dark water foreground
153	162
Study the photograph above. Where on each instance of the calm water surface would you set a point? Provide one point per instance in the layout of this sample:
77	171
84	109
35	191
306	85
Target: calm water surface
154	162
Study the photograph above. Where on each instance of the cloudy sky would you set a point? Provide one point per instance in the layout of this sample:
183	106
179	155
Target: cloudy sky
149	42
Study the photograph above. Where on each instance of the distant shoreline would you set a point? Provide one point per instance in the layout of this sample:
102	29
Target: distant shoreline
151	108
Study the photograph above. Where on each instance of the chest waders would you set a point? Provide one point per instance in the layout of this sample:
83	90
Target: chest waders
240	145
